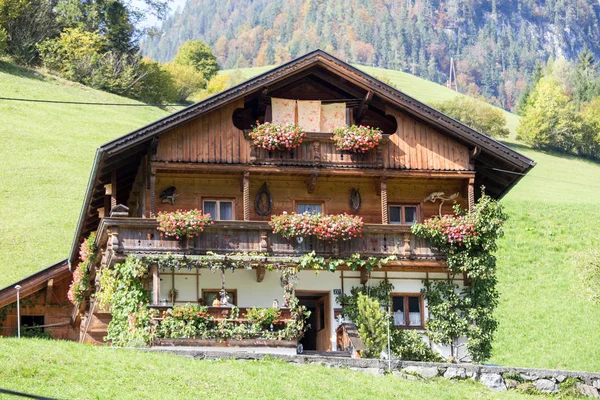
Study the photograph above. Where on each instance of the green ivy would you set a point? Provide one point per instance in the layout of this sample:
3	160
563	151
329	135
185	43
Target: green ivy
468	240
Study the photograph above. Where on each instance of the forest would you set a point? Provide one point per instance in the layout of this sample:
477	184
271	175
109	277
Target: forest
495	44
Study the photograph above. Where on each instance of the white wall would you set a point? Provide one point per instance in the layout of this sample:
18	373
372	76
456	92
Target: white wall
251	293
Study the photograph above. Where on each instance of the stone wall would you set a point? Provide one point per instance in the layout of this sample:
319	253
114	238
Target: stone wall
494	377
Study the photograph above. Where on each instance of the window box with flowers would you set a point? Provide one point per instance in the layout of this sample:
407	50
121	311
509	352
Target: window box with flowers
271	136
183	224
323	226
357	138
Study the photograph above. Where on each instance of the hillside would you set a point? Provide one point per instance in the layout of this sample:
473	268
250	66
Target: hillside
495	44
543	320
47	152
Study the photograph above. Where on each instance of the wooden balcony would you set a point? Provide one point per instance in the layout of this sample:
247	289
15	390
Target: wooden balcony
318	149
123	236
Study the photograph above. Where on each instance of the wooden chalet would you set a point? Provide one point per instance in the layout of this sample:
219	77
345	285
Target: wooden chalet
205	153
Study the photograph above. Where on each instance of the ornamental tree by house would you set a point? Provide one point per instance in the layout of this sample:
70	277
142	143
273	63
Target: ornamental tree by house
323	226
468	240
183	224
357	138
271	136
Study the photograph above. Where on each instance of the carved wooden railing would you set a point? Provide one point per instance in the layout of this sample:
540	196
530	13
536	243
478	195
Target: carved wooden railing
122	236
318	149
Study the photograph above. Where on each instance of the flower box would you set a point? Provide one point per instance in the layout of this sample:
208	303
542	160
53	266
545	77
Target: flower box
183	224
271	136
323	226
357	138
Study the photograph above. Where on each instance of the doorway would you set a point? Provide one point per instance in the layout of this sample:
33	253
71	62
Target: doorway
318	336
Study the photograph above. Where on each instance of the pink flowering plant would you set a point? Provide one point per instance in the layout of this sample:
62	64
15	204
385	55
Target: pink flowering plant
183	224
357	138
81	276
270	136
324	227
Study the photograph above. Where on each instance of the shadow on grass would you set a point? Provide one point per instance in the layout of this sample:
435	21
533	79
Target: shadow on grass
20	71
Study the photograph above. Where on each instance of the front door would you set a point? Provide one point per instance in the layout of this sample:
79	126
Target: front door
323	323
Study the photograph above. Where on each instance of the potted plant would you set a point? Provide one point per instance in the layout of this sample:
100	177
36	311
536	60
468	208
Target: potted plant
270	136
357	138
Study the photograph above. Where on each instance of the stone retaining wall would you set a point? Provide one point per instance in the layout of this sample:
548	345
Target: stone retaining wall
494	377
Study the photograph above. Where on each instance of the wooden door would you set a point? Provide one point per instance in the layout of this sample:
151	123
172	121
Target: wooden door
323	322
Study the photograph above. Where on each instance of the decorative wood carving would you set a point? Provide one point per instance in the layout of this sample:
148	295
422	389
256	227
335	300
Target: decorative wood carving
246	190
152	195
119	210
168	195
311	183
264	247
263	204
406	250
316	152
113	184
384	201
364	276
471	194
355	200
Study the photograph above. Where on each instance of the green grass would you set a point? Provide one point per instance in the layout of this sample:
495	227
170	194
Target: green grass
47	152
71	370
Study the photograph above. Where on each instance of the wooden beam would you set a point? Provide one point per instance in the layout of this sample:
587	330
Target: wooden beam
155	284
49	290
471	194
113	184
362	108
152	195
384	202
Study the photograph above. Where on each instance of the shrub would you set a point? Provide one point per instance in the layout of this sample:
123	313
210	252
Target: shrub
372	325
263	317
183	223
409	345
270	136
357	139
476	114
186	321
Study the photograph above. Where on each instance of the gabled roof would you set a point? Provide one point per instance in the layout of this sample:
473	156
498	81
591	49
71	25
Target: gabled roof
495	163
34	283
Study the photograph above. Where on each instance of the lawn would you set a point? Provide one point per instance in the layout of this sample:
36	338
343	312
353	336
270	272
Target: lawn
75	371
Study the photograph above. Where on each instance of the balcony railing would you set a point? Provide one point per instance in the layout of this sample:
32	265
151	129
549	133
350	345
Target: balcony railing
140	236
318	149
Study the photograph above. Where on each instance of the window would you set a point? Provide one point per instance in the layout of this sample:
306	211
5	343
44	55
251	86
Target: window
301	208
404	215
29	322
408	310
219	210
210	295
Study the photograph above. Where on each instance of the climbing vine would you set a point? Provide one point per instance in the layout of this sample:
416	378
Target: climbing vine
468	240
124	291
81	276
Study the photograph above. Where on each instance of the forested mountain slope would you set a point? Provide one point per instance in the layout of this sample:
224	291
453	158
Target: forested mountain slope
495	44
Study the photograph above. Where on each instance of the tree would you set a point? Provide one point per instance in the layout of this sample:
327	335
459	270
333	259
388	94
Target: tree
547	113
196	54
186	80
476	114
535	78
372	325
586	78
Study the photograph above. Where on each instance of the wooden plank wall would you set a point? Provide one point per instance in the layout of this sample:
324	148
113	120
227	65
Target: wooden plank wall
285	190
210	138
418	146
58	311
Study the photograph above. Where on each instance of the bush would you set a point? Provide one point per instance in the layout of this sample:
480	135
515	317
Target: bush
372	325
476	114
409	345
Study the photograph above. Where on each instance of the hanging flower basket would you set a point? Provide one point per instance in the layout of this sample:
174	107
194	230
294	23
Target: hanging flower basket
270	136
183	224
357	138
324	227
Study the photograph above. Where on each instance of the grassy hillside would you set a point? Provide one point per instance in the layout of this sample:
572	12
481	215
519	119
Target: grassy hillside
47	152
71	371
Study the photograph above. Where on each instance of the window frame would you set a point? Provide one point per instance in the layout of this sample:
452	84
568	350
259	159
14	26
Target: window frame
218	200
406	312
217	291
313	202
403	214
